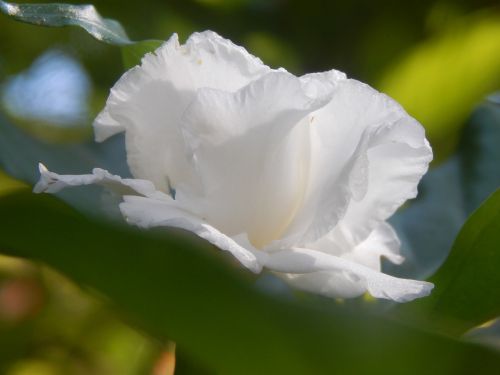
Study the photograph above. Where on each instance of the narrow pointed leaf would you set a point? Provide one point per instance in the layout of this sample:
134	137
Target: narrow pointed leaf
467	285
466	292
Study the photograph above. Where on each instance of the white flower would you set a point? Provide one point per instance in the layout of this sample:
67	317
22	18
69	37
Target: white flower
294	174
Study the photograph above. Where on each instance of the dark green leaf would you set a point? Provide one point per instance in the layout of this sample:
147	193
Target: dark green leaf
467	289
84	16
181	288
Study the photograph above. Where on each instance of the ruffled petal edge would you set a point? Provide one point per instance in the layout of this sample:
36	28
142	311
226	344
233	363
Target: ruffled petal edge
379	285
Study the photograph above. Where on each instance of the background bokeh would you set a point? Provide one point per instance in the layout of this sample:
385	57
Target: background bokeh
439	59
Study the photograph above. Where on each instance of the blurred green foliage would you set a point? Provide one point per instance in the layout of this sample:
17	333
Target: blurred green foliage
8	184
182	288
48	326
438	58
440	81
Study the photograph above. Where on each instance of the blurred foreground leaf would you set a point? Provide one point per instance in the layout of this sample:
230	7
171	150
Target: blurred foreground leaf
57	15
179	287
467	289
441	80
85	16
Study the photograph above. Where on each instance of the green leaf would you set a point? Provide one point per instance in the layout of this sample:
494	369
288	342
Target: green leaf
85	16
177	286
448	194
440	80
57	15
467	290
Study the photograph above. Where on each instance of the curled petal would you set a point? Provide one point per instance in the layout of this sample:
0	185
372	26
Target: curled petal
319	272
367	156
382	242
147	213
396	158
51	182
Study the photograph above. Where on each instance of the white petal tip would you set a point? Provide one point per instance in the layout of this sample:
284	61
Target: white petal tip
395	258
105	126
38	188
42	168
45	181
252	266
420	289
402	290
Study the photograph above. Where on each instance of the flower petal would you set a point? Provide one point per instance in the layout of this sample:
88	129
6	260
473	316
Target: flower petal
148	101
250	150
382	242
147	213
51	182
335	276
396	158
367	156
149	208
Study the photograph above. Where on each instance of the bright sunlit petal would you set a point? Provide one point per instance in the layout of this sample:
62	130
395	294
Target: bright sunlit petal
251	153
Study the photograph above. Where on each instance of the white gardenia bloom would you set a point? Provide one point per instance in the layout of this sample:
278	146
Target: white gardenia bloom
295	174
